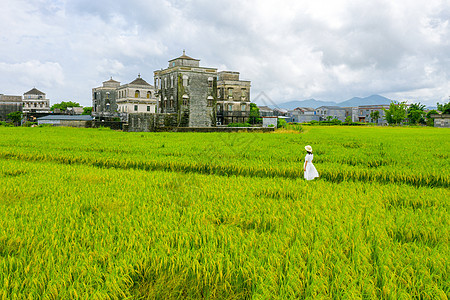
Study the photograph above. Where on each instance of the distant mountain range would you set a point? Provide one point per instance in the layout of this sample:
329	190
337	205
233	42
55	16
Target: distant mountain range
356	101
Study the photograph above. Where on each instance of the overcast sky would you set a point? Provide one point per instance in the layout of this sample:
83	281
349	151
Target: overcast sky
291	50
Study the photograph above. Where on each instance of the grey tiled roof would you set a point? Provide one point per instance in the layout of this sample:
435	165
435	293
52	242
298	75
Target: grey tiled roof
34	91
139	81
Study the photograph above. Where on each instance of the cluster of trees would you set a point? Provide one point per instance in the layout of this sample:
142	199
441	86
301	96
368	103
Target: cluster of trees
64	105
415	113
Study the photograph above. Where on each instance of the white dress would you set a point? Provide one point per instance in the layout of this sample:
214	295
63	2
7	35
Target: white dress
311	171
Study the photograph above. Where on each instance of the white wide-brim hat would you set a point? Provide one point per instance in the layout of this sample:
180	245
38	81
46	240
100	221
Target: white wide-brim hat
308	148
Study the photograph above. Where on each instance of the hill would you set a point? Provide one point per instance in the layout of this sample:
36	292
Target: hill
355	101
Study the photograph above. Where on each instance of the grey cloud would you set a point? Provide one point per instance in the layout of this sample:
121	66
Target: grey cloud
289	49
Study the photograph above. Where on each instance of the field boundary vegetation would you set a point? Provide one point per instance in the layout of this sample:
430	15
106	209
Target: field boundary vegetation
339	175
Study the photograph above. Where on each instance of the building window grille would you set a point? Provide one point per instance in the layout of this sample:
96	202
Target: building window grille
135	108
185	99
210	101
230	107
148	107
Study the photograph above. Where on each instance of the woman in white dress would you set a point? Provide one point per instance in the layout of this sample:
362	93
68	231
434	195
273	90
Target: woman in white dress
308	167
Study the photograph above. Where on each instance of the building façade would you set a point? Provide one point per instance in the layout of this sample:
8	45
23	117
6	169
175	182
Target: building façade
187	90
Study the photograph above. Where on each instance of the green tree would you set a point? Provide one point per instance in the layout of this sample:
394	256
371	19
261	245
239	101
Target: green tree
415	113
430	120
87	110
396	112
15	117
444	108
281	123
254	117
375	115
64	105
348	119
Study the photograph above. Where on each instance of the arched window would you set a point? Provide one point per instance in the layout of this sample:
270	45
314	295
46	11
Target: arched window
185	99
171	102
149	95
210	102
137	94
244	93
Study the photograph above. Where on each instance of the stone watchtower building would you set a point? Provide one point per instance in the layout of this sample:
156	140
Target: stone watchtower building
9	104
137	96
233	103
187	90
104	105
34	101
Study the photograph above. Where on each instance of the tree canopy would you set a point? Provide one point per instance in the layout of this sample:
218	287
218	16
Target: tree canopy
415	113
375	115
396	112
444	108
87	110
64	105
254	117
16	117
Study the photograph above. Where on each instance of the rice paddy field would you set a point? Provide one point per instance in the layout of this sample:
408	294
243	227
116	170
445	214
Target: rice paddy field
100	214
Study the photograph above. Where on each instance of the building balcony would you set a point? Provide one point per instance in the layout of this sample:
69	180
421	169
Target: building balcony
233	113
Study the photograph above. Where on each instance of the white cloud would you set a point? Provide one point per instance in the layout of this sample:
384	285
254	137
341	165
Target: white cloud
33	73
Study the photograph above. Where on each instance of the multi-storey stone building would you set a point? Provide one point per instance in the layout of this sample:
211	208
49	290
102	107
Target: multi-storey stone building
104	106
9	104
233	99
113	100
187	90
34	101
137	96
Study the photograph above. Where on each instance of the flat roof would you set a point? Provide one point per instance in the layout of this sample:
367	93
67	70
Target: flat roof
67	117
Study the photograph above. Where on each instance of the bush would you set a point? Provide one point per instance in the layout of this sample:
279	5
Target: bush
281	123
239	125
6	124
29	124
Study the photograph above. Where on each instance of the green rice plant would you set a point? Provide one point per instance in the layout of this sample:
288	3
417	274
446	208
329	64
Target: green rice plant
103	214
